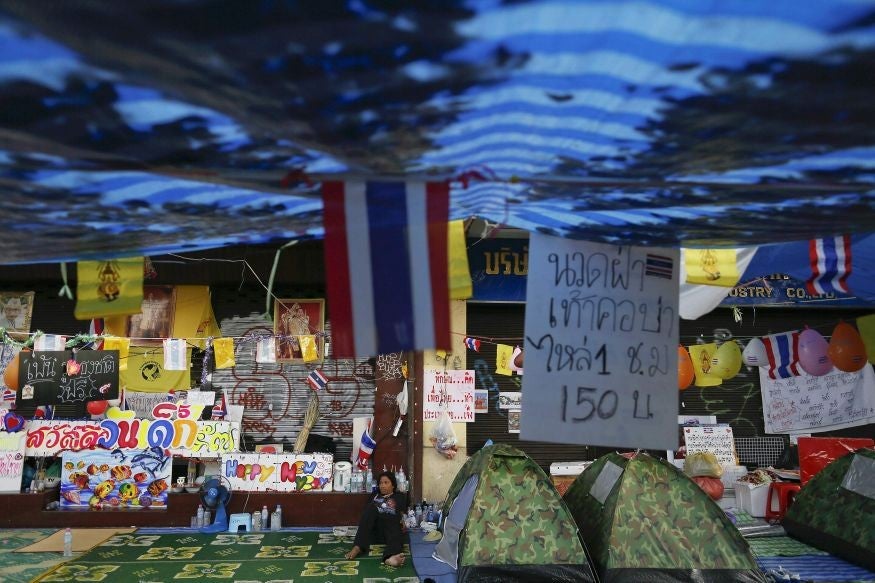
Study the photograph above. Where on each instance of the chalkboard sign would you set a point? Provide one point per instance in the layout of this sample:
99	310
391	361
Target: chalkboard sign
52	377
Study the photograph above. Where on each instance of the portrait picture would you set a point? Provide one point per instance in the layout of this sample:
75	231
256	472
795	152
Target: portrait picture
16	309
294	318
155	321
481	401
513	421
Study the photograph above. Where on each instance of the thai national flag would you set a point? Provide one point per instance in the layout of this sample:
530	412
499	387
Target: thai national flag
782	350
473	344
366	449
317	380
386	266
830	265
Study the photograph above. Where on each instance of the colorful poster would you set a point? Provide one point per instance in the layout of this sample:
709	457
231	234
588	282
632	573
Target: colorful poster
450	390
601	355
11	461
262	472
117	479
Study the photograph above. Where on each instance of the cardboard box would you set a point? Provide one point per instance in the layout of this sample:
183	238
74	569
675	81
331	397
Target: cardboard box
562	483
568	468
752	499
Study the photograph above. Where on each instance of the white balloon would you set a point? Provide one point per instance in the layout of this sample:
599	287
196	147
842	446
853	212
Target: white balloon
755	353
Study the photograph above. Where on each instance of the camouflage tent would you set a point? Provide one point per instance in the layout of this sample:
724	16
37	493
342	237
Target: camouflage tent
506	522
644	520
835	510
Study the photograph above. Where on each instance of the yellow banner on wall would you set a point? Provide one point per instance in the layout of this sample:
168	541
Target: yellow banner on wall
458	274
146	372
711	267
503	354
108	288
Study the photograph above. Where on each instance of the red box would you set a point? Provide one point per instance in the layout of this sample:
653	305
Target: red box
815	453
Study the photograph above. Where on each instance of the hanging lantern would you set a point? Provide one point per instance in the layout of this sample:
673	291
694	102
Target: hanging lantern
755	353
685	369
813	357
727	360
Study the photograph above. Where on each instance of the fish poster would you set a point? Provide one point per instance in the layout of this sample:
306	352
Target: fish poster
130	479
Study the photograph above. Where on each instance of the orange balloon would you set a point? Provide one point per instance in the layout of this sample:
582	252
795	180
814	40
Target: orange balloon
10	375
686	372
846	349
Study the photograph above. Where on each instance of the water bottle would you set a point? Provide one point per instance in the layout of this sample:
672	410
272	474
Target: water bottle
256	521
68	542
200	515
279	518
411	518
402	481
264	523
418	514
208	517
275	520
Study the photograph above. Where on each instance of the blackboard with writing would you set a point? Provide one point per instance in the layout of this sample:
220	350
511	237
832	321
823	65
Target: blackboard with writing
52	377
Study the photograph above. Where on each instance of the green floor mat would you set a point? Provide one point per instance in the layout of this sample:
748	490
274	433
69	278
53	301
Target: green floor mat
15	568
781	546
251	558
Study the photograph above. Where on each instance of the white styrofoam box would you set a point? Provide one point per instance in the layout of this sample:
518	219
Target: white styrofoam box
752	499
568	468
728	500
731	475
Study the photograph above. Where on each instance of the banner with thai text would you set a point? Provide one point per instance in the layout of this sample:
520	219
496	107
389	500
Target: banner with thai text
281	472
450	390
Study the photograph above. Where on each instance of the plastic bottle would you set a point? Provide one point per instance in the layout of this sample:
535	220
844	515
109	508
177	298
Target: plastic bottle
402	480
274	520
68	542
411	518
279	518
264	517
200	515
418	514
256	521
208	517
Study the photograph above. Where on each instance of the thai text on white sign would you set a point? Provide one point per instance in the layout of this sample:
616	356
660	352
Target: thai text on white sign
450	390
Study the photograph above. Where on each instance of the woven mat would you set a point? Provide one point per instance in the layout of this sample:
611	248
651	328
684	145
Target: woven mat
20	569
315	557
84	539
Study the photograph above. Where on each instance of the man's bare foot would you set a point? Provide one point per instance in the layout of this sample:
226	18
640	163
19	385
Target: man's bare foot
356	551
395	560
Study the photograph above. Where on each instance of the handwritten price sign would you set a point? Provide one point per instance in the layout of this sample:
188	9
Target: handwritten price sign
601	344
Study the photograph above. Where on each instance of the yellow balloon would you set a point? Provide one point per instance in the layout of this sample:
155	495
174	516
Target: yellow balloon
727	360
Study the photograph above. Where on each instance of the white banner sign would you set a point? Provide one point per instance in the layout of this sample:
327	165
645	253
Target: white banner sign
261	472
452	390
810	404
601	344
11	461
717	439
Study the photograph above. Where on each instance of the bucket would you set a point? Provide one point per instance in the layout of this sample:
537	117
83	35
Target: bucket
342	476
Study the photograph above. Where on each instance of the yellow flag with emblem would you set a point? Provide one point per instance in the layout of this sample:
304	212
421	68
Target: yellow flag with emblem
702	356
309	352
108	288
223	351
458	274
711	267
503	354
146	372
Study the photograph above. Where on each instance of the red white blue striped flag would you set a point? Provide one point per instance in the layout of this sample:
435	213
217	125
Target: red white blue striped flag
386	266
830	265
366	450
782	350
317	380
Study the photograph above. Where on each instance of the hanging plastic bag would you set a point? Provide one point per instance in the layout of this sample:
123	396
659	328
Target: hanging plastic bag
443	437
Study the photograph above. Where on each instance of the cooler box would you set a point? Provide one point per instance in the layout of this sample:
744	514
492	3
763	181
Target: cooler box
752	499
563	474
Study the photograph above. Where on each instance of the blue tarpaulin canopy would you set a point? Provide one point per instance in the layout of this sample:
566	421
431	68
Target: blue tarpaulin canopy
151	126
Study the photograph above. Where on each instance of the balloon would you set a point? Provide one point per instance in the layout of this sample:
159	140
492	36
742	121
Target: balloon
755	353
813	349
846	349
96	407
10	375
685	368
727	360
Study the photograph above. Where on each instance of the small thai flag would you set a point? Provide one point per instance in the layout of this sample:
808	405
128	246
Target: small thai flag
386	265
317	380
220	409
366	449
659	266
472	344
782	350
830	265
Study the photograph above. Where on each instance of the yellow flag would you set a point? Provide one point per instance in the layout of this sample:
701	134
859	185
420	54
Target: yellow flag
309	352
503	354
223	352
458	273
123	346
146	372
702	355
108	288
193	315
711	267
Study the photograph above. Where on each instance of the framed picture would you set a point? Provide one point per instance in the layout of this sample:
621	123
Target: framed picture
155	321
293	318
16	309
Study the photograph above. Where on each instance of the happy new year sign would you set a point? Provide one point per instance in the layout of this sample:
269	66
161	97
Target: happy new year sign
248	472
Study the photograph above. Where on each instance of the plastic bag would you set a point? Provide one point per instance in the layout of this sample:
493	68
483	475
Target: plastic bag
443	437
703	463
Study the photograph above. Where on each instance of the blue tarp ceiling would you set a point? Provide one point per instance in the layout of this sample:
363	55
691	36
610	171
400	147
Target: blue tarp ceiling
149	126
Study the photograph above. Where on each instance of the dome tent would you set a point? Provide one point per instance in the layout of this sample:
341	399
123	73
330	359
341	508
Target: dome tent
506	522
835	510
643	520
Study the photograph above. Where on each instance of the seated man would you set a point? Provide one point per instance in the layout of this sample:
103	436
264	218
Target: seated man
381	522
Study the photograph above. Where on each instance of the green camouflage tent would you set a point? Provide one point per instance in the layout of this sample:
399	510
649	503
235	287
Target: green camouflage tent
644	520
835	510
506	522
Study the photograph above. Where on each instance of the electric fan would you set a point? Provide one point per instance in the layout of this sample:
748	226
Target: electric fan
215	496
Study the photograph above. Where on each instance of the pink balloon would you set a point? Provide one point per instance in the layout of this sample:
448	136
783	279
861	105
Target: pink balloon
813	353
